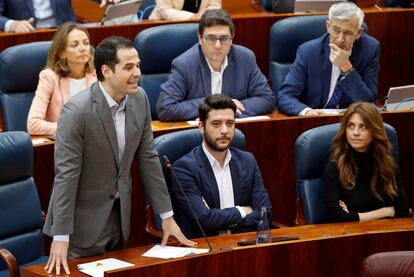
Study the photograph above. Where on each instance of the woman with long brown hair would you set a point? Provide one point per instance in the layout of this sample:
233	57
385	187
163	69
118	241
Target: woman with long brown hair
69	70
362	179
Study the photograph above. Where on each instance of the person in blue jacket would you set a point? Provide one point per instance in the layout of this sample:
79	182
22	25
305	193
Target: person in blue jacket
214	66
25	15
334	70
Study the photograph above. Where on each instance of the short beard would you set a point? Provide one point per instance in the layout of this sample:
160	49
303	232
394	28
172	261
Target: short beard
213	145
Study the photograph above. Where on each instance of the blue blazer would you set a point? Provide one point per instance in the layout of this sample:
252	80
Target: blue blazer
308	81
23	9
197	177
190	82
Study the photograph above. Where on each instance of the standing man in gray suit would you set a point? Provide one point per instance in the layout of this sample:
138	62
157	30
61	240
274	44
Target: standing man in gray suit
100	131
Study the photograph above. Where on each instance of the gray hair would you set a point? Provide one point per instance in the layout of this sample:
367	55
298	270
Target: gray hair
346	11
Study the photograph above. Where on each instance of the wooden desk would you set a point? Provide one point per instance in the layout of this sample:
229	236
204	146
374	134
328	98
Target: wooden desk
391	26
272	143
322	250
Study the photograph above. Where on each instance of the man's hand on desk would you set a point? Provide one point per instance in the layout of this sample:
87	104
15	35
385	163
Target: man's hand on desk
22	26
169	227
313	112
105	3
58	257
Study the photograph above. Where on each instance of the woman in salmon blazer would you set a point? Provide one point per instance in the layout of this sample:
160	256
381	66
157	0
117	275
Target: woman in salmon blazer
68	71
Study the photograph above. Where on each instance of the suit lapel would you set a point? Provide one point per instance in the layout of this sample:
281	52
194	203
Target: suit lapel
236	182
205	74
209	177
356	52
64	88
228	77
325	70
130	129
104	113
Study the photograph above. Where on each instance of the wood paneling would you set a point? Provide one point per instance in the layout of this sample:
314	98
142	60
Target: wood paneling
322	250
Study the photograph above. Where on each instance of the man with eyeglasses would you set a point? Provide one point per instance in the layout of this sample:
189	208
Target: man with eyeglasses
214	66
334	70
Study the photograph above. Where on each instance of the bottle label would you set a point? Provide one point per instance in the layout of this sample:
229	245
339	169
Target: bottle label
264	237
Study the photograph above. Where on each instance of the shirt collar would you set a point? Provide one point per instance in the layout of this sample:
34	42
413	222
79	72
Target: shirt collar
212	160
111	102
223	66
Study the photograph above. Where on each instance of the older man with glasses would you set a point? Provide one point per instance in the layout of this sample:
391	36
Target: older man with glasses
334	70
214	65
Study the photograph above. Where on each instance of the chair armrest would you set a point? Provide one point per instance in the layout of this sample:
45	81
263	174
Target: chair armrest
150	224
300	216
10	261
152	230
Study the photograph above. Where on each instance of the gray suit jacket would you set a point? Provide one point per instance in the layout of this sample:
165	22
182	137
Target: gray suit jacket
88	172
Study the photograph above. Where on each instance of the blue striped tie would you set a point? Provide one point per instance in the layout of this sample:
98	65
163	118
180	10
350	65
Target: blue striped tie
333	103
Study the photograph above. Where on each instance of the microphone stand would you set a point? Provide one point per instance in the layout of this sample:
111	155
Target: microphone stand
169	166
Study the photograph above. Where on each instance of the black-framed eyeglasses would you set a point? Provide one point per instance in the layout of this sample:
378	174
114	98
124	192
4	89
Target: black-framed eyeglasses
212	40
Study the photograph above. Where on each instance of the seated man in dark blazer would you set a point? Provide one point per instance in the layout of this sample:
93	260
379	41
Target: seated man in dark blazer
25	15
334	70
214	66
223	184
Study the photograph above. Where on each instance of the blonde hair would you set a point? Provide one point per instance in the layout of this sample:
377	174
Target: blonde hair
384	166
60	40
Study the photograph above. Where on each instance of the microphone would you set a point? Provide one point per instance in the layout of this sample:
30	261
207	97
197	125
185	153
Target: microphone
169	166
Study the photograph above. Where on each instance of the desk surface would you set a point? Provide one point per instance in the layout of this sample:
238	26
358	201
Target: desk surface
320	250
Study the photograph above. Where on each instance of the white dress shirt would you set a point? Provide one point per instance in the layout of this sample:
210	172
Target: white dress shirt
224	181
217	77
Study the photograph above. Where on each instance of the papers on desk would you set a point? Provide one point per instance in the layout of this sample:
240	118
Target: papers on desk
169	252
253	118
97	268
332	111
39	141
250	118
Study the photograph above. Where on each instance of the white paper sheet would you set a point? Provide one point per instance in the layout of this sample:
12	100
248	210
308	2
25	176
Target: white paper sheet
39	141
97	268
332	111
250	118
168	252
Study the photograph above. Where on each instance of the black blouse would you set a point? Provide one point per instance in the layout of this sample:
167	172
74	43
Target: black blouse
360	199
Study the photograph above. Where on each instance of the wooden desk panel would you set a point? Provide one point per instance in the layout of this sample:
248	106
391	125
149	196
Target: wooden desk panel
391	26
272	143
322	250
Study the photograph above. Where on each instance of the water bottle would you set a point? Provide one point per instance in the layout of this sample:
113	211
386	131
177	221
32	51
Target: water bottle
264	235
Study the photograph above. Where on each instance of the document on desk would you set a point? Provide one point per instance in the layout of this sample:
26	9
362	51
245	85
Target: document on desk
97	268
332	111
243	119
169	252
39	141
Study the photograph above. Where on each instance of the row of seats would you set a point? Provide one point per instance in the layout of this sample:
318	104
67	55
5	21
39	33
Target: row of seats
20	65
20	213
